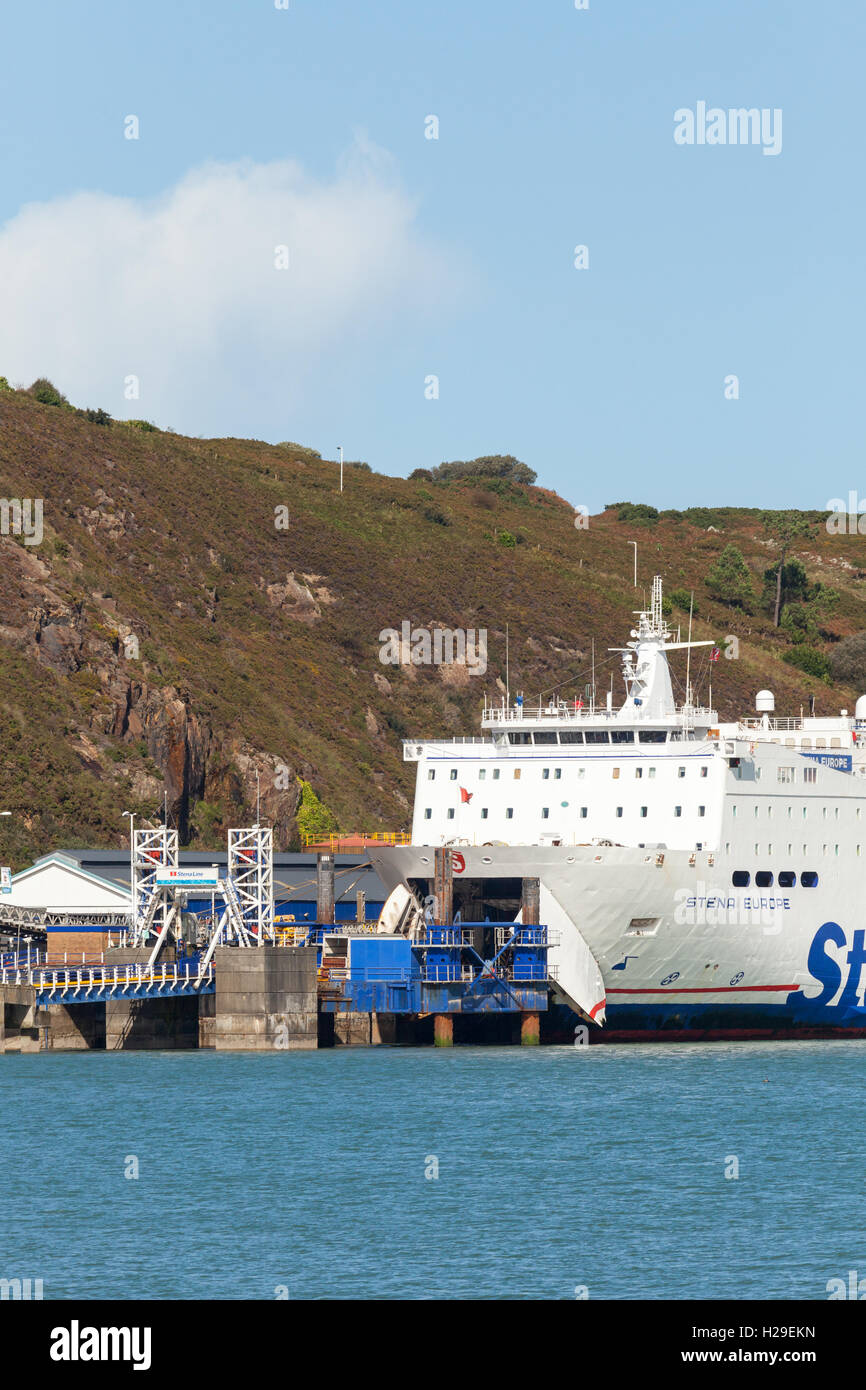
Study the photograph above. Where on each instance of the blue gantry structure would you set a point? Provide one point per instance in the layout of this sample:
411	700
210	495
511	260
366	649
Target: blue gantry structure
442	969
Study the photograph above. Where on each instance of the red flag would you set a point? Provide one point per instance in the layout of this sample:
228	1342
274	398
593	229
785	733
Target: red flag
465	795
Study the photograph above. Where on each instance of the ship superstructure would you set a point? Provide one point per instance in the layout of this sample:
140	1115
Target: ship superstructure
701	875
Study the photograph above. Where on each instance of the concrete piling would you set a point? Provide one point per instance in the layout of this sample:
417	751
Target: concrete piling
265	999
325	888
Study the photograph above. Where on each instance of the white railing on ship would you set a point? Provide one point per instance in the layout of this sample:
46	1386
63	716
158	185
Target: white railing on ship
567	712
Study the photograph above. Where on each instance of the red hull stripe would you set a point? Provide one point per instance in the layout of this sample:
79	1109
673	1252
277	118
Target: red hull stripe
711	989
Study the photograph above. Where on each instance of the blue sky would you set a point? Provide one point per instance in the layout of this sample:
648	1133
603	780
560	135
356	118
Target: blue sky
411	257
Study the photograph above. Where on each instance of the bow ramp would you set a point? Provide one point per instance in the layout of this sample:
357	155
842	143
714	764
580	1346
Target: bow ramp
577	977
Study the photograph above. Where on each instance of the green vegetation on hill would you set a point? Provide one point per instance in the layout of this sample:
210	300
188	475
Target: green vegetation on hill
169	630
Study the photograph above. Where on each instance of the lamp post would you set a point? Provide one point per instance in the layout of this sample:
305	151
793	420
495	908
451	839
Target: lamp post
131	817
9	813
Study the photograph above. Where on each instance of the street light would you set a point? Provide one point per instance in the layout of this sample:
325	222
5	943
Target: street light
131	816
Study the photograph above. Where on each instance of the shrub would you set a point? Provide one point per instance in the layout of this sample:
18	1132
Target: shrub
848	661
506	538
681	598
60	547
808	659
435	515
47	393
487	466
421	473
144	425
4	384
96	417
637	511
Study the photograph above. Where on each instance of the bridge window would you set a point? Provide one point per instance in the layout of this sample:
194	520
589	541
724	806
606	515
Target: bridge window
597	736
806	743
787	877
763	879
571	736
820	743
520	738
810	774
835	743
809	878
741	878
785	774
652	735
622	736
544	738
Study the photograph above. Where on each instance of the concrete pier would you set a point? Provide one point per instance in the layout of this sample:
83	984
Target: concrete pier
265	998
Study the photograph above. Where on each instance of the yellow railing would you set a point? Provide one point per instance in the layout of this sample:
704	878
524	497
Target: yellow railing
379	837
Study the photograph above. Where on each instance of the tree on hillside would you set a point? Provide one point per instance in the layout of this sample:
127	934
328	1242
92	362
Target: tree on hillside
487	466
729	579
786	528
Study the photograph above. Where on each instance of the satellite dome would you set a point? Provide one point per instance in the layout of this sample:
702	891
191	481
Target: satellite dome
860	708
765	702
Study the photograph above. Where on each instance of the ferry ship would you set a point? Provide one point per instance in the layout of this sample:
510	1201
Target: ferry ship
700	878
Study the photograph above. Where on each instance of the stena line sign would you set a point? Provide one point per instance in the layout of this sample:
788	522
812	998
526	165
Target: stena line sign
180	877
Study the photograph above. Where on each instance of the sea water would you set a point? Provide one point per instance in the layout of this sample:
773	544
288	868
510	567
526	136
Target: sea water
617	1172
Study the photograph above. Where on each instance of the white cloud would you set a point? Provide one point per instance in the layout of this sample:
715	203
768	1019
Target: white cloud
182	290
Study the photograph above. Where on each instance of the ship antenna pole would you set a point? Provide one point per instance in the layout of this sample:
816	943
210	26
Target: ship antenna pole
592	706
507	673
689	654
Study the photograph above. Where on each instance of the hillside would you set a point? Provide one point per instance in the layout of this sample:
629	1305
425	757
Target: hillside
258	647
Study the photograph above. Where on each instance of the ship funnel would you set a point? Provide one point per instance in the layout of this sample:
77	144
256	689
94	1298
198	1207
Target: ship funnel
765	702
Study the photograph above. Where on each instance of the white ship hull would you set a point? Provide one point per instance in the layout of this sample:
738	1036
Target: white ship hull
709	959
